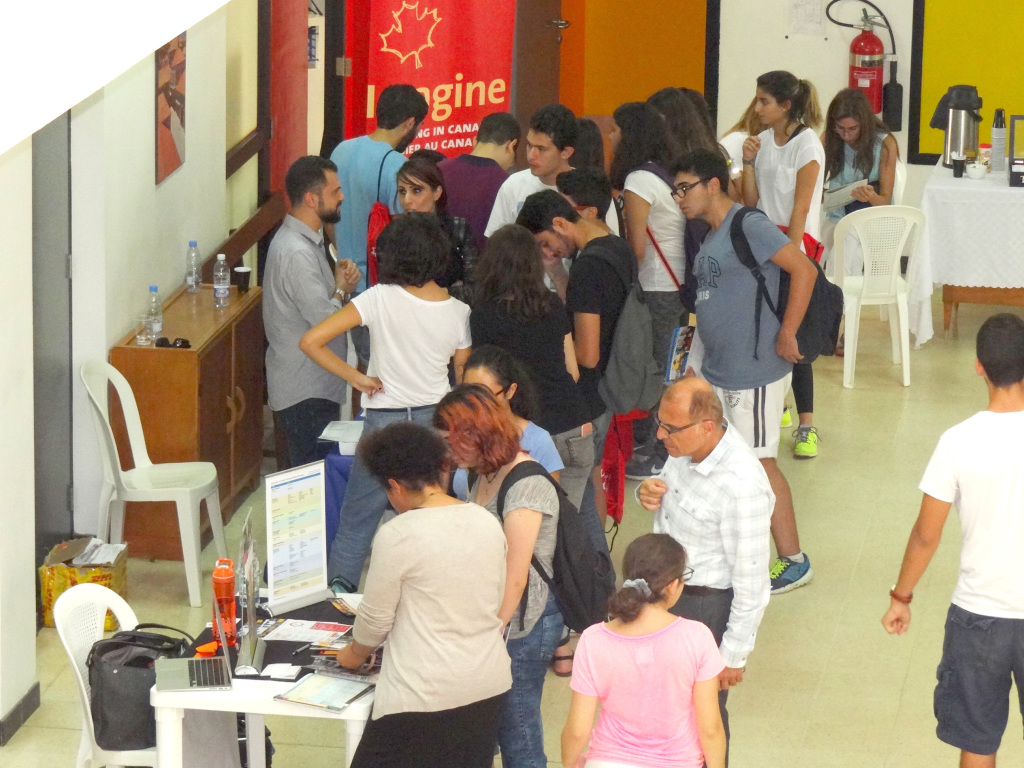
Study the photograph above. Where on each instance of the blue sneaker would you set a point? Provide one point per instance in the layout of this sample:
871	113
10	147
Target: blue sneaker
787	575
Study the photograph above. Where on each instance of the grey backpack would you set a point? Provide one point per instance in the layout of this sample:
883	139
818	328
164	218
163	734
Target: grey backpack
632	379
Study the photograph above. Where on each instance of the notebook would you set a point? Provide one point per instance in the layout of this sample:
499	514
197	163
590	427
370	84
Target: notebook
207	674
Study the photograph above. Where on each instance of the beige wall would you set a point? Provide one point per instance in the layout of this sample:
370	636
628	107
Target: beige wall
17	458
128	232
241	110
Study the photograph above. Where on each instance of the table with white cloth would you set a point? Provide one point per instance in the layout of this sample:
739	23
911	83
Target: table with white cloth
973	244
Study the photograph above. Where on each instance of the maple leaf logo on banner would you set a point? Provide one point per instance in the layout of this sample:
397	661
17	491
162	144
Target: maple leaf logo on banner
411	32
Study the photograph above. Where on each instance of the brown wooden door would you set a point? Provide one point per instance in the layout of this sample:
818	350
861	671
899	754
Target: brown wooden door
535	71
215	411
247	438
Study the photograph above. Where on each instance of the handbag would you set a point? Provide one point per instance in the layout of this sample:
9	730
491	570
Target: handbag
121	674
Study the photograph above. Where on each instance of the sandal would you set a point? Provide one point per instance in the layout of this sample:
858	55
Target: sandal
562	657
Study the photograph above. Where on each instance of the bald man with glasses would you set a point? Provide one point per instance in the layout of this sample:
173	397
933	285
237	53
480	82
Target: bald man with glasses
714	498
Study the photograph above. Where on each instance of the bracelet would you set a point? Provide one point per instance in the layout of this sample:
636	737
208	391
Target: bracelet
747	162
905	599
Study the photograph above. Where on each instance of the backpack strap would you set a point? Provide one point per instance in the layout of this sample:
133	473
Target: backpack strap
521	471
380	171
746	257
664	261
626	279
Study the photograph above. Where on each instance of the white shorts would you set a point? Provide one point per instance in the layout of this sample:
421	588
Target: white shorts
757	414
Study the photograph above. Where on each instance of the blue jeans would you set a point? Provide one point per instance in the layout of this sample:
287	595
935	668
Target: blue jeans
521	733
365	501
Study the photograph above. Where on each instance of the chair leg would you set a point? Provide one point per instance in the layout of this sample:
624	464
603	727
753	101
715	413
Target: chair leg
84	759
116	520
850	348
216	522
894	334
188	527
904	314
103	520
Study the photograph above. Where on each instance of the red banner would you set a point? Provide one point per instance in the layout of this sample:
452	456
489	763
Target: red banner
458	54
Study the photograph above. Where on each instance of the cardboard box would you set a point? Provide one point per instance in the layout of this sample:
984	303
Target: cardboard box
58	573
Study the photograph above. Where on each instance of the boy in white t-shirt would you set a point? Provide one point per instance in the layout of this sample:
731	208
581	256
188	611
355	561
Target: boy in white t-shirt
978	465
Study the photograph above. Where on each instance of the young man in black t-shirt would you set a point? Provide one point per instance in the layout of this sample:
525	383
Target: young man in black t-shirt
594	290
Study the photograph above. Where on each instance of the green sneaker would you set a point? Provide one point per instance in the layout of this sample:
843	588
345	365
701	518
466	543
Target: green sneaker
787	418
805	443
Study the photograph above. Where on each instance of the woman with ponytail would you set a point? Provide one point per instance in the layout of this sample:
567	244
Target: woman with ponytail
655	675
783	175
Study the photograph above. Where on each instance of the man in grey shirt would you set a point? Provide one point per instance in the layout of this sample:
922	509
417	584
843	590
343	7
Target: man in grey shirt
301	287
750	381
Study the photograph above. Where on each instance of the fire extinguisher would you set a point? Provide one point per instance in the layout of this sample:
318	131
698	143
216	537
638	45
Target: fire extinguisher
866	59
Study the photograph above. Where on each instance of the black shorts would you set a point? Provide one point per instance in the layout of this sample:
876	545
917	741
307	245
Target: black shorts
972	698
464	736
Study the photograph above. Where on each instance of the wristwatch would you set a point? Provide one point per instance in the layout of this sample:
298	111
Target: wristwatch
345	297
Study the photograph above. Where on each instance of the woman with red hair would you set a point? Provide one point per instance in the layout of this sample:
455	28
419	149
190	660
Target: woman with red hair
482	438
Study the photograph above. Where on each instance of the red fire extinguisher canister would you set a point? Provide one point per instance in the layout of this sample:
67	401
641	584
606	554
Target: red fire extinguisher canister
866	59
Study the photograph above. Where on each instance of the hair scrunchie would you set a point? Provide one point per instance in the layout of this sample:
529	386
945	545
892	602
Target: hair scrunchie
640	585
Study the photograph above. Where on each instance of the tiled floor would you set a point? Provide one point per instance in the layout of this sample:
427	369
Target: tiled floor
825	686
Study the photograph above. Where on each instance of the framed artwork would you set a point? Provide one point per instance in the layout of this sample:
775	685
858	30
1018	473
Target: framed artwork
170	107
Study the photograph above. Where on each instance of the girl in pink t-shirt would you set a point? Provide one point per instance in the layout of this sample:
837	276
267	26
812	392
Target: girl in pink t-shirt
655	675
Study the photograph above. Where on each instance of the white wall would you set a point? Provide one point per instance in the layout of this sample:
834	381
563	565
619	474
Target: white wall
315	107
127	232
754	40
56	60
17	458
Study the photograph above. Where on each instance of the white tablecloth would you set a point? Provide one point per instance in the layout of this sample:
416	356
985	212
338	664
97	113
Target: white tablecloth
973	237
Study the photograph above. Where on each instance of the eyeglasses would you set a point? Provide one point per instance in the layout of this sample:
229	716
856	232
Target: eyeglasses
669	429
687	575
178	343
681	190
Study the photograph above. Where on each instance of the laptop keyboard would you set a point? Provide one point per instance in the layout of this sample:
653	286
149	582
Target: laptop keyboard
206	672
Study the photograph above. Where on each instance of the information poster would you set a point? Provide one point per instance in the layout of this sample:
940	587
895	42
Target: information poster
457	54
297	533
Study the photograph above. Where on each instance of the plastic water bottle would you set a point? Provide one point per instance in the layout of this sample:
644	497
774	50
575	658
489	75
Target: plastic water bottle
193	268
224	596
998	141
154	314
221	282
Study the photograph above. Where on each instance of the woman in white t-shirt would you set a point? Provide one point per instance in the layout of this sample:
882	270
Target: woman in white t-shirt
654	229
732	142
416	328
783	175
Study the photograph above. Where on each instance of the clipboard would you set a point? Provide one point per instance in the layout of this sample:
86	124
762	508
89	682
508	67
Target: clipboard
326	692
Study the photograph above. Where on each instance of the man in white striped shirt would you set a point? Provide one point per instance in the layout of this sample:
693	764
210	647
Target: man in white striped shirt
714	498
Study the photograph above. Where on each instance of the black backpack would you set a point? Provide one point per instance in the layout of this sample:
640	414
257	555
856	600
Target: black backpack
632	378
583	579
120	675
818	333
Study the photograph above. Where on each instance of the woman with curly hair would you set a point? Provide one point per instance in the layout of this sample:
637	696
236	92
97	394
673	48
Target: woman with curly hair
654	675
482	438
416	329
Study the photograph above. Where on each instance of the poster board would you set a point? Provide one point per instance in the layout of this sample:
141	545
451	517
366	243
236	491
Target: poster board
296	538
957	44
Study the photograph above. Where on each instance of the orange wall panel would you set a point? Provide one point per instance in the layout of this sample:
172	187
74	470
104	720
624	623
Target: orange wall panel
632	51
572	56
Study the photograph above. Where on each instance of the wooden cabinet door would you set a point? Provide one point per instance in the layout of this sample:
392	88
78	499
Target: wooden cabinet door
247	438
217	408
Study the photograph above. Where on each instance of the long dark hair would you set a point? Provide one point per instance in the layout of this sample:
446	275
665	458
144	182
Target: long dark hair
426	172
658	560
507	370
589	145
643	140
685	127
852	103
510	273
802	97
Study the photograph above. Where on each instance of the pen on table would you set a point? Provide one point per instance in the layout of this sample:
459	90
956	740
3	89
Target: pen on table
301	648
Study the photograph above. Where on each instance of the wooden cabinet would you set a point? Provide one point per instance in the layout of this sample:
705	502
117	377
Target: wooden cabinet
198	404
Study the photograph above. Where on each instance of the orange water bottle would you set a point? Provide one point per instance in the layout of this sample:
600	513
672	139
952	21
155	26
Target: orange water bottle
224	596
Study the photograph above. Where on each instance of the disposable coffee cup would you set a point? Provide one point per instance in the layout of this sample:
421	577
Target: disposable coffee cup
958	168
240	278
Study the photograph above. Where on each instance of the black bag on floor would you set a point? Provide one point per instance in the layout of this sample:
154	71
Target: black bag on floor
120	675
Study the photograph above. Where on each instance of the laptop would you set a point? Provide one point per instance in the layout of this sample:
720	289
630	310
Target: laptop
207	674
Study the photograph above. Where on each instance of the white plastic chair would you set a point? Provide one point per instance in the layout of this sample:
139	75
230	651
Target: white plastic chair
899	182
184	483
78	615
883	232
